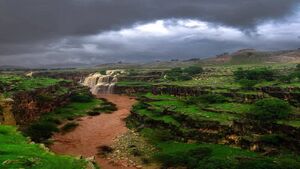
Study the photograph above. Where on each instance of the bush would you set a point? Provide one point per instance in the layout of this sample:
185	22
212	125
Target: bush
193	70
254	74
216	163
272	139
298	67
44	98
103	72
206	99
247	84
93	113
212	98
69	127
258	164
41	131
188	159
177	74
82	98
270	109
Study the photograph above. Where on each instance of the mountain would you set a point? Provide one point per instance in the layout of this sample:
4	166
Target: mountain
252	56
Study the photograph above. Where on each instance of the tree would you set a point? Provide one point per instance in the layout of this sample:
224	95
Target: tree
247	84
254	74
193	70
270	109
298	67
177	74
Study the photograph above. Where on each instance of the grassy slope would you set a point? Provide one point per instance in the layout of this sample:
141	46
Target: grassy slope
18	83
194	111
16	152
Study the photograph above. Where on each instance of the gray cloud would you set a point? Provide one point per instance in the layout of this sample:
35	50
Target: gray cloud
37	28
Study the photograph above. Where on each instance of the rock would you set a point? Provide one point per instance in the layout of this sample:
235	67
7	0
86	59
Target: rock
91	159
139	166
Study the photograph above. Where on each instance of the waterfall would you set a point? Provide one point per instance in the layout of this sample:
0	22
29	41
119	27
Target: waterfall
102	84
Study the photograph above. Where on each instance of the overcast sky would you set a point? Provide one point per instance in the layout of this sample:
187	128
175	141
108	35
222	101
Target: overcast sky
71	32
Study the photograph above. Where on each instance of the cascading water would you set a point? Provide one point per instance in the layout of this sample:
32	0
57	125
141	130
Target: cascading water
102	84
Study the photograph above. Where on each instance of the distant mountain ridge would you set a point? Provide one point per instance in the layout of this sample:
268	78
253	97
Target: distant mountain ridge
252	56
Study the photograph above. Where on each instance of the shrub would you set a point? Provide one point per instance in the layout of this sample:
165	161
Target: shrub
270	109
206	99
69	127
103	72
272	139
177	74
216	163
247	84
193	70
298	67
83	98
106	107
254	74
184	158
93	113
44	98
104	150
257	164
212	98
41	131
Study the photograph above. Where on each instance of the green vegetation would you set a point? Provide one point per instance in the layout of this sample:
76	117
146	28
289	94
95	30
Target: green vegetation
15	83
208	99
69	127
185	131
210	156
17	152
270	110
179	74
43	128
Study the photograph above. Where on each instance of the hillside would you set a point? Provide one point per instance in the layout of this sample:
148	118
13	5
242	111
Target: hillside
252	56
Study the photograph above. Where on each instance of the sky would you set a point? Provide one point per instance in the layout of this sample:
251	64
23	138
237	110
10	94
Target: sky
37	33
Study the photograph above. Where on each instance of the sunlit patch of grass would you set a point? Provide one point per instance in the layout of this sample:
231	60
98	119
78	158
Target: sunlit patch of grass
16	152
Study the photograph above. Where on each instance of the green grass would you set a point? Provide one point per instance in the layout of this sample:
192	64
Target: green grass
293	123
134	84
219	151
233	107
193	111
159	97
47	124
212	156
16	83
16	152
158	117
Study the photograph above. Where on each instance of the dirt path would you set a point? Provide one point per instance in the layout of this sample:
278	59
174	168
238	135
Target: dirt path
93	132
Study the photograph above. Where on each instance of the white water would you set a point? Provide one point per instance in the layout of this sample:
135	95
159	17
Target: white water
102	84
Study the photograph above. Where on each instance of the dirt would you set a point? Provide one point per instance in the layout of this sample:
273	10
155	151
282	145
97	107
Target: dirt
96	131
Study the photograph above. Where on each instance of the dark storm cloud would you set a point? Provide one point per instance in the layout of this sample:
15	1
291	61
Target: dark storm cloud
43	30
28	20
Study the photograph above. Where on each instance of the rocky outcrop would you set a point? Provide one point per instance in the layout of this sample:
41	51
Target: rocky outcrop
188	91
291	94
76	76
29	105
6	112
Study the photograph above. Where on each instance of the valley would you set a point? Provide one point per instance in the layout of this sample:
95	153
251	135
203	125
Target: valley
196	116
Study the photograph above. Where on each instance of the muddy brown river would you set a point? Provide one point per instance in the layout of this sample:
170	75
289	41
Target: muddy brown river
96	131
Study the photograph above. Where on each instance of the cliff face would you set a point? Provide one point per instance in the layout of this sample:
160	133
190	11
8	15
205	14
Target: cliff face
74	76
6	113
29	105
291	94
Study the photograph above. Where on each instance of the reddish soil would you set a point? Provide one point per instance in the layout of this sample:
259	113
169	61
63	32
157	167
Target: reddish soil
96	131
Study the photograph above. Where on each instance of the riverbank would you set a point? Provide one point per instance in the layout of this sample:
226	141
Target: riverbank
96	131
